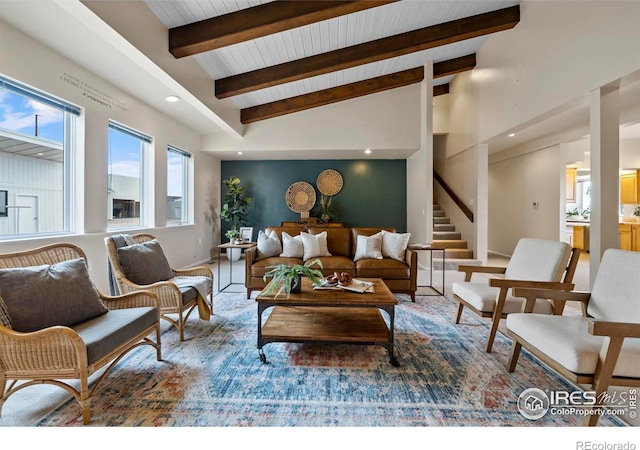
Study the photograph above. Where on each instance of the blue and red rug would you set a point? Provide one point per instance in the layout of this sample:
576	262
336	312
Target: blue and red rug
215	378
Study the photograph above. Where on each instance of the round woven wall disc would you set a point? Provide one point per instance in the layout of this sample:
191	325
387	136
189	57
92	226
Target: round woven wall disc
329	182
300	197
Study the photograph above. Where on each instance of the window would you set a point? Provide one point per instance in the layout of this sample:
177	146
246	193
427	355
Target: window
126	181
37	145
177	186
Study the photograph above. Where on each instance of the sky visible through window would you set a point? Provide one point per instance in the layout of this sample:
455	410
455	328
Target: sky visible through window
18	114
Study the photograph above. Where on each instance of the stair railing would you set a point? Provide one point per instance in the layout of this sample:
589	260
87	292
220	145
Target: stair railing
464	208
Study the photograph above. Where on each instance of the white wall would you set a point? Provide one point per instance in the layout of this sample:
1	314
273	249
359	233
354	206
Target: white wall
30	62
514	184
557	54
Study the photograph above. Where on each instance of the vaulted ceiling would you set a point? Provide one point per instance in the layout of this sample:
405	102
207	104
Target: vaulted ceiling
279	57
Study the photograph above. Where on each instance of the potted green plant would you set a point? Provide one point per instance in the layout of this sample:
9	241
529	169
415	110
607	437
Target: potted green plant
288	278
234	211
327	209
636	213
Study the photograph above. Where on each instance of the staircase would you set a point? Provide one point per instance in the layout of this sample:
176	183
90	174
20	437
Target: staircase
445	236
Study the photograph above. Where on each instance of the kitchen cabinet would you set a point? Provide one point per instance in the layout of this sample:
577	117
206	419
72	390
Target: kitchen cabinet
629	188
581	237
635	238
625	236
572	177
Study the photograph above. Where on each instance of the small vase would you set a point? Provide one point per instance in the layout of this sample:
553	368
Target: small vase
296	285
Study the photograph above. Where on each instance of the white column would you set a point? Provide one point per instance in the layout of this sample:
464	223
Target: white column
481	212
605	163
426	144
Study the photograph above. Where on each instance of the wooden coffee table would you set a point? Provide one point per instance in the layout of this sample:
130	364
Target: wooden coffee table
329	317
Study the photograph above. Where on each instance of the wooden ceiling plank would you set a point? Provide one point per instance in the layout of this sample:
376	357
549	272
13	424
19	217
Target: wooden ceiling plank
331	95
441	89
389	47
259	21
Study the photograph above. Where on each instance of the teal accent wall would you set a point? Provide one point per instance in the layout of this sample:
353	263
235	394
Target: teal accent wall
374	192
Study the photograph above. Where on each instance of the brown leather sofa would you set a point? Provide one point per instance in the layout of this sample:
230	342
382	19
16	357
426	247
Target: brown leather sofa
400	277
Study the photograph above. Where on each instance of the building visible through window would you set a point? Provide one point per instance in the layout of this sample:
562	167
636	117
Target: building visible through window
37	137
126	184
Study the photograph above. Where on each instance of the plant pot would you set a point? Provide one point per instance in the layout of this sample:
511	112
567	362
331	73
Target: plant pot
296	286
233	254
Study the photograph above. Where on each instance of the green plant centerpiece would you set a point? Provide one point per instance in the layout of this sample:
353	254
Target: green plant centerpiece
636	212
235	207
327	208
288	278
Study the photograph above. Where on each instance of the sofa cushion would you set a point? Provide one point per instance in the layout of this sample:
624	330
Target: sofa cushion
314	245
394	245
368	247
331	264
292	246
108	331
43	296
262	266
268	244
382	268
338	240
145	263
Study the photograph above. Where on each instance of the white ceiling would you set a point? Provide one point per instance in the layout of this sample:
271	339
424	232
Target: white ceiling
325	36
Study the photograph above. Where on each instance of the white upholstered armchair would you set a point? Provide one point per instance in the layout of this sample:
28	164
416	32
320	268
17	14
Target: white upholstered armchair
535	263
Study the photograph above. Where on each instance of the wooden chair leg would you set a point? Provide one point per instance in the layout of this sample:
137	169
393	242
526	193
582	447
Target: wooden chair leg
495	321
3	386
85	399
513	358
459	314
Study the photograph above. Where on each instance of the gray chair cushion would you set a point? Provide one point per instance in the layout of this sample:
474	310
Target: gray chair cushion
43	296
145	263
567	341
615	292
108	331
538	260
483	298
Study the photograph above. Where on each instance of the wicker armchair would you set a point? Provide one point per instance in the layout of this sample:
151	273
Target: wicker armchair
172	299
48	355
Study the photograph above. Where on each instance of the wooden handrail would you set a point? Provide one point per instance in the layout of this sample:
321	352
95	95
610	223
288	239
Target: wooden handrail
464	208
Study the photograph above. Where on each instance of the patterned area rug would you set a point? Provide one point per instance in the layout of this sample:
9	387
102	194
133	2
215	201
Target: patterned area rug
215	378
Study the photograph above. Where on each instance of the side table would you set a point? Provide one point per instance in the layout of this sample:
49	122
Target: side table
229	246
429	248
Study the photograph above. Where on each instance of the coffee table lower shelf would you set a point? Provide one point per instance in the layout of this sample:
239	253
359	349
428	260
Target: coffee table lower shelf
328	325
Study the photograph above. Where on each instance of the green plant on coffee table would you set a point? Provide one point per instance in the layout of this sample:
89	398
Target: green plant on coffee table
286	278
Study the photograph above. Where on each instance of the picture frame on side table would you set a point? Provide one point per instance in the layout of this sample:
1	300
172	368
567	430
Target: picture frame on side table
246	234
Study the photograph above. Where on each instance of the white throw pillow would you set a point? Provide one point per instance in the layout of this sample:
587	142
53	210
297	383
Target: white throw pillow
394	245
268	244
291	246
369	247
314	245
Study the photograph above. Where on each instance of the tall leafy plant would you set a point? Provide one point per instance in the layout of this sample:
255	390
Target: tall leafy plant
236	204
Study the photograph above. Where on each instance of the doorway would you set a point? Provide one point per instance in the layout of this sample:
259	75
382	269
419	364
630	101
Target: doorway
27	217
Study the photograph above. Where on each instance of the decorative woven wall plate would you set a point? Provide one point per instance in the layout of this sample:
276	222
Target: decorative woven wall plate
329	182
301	197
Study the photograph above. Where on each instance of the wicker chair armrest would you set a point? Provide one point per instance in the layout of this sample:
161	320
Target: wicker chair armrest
614	329
54	348
167	292
199	271
135	299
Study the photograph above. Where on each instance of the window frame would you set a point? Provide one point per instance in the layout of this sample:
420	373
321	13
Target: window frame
146	141
186	185
70	114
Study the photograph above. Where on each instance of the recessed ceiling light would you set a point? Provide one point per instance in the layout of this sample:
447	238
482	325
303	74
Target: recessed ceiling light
238	153
40	154
172	98
512	134
368	151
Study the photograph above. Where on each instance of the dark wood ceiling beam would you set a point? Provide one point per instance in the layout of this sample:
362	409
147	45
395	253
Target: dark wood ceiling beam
453	66
402	44
331	95
252	23
441	89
